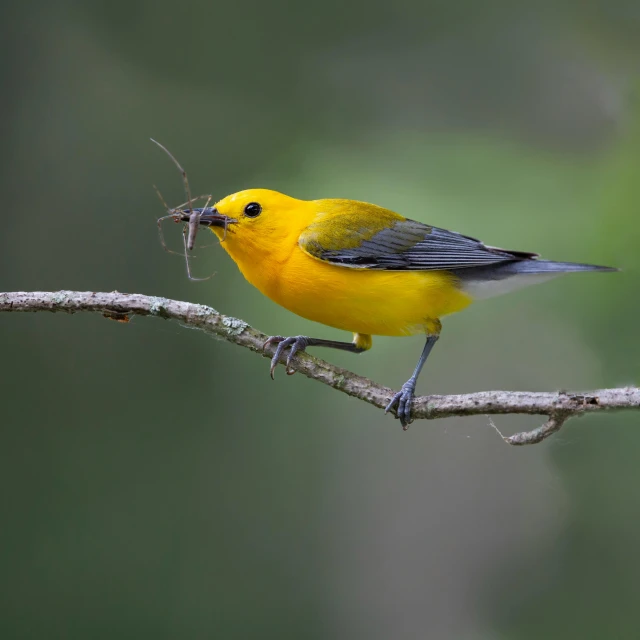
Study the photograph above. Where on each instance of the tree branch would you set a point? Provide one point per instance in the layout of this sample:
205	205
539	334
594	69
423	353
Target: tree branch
559	406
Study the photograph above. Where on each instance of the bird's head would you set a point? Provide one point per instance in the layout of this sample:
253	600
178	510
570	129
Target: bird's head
256	222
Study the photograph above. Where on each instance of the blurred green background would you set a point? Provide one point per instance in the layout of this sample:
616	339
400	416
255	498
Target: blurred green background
155	482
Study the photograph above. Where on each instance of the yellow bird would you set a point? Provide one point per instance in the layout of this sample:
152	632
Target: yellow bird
364	269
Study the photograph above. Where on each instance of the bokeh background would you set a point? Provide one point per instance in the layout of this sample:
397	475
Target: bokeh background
155	483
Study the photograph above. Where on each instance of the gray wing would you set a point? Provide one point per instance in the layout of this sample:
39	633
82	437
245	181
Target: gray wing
406	245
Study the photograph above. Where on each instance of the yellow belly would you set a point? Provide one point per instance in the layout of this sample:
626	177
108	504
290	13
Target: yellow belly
384	303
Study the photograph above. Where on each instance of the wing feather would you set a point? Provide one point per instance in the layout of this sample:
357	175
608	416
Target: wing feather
401	244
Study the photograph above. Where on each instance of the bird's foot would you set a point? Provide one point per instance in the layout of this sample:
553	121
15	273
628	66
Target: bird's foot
295	345
403	400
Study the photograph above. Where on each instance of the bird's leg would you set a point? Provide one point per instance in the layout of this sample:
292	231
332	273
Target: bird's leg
361	342
404	398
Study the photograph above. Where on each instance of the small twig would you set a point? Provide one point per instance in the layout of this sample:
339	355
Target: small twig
559	406
553	424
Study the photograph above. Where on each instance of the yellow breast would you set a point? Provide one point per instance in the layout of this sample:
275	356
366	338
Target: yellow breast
386	303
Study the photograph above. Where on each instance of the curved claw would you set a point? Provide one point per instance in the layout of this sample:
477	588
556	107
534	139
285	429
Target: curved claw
295	344
272	340
403	399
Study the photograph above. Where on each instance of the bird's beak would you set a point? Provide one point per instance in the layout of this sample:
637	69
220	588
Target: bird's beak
203	217
206	217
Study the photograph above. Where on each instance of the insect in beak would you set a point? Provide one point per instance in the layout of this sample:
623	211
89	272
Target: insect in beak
193	217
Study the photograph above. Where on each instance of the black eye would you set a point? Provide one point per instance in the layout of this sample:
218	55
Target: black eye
252	210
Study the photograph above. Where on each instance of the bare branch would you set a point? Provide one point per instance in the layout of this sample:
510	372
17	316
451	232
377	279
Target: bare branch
558	406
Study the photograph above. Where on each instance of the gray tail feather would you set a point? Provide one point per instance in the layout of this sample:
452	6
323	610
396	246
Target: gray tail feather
549	266
511	268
